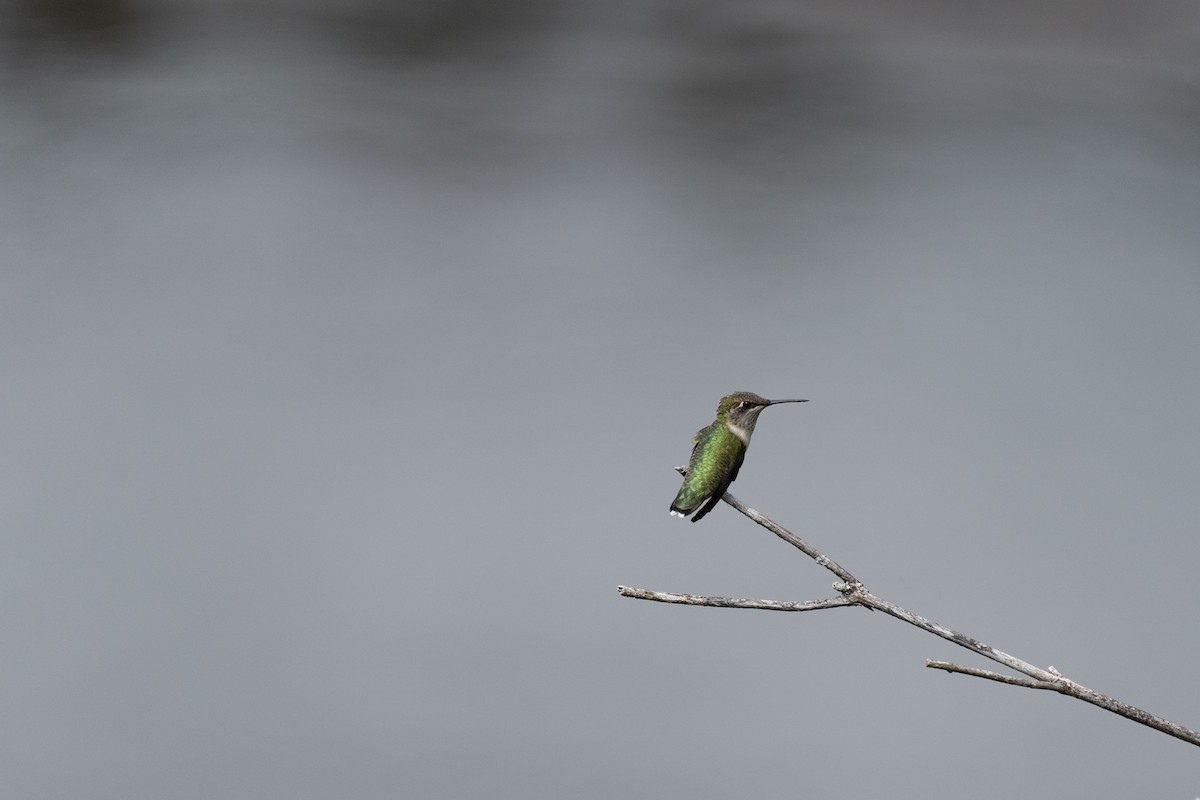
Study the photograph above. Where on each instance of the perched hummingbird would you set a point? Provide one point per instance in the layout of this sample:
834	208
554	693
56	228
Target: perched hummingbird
718	451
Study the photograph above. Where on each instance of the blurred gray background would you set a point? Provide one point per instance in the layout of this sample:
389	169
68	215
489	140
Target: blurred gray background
348	350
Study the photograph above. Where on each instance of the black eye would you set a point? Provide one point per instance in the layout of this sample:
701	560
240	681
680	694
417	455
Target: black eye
744	404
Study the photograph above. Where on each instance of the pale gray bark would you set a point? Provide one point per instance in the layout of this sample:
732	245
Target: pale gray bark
852	592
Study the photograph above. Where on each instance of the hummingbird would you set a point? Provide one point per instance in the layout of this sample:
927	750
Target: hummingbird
718	451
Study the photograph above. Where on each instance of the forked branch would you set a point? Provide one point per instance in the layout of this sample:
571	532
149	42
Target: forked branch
851	592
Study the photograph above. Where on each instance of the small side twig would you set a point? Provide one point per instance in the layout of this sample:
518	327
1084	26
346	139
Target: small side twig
1000	677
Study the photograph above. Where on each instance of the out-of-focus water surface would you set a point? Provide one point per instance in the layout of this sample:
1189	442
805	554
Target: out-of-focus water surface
348	350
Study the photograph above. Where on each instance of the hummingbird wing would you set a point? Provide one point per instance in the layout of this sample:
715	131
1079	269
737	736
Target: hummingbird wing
688	499
722	487
736	466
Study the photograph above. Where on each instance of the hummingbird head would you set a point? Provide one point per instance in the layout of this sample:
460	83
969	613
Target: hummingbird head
739	411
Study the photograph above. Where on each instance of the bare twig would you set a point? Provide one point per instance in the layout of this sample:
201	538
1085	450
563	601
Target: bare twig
732	602
1012	680
853	592
789	537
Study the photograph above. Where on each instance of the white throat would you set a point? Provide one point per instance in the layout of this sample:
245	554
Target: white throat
741	433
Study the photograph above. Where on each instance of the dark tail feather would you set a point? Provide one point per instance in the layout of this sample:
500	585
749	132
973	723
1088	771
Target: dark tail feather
708	506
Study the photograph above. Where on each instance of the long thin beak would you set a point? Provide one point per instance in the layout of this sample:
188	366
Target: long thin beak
776	402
